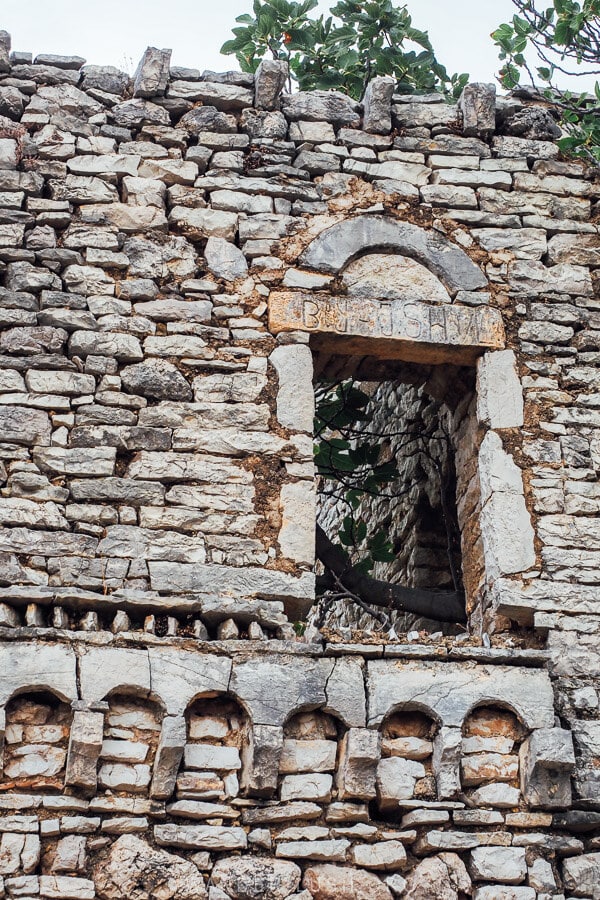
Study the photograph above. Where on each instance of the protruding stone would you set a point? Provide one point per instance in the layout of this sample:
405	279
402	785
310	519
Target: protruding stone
133	867
547	760
152	74
377	117
85	744
478	106
329	882
224	259
357	769
270	79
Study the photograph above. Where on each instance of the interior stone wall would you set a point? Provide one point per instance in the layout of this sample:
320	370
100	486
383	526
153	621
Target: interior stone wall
172	254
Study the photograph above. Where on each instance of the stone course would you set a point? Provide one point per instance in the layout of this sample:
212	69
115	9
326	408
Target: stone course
181	253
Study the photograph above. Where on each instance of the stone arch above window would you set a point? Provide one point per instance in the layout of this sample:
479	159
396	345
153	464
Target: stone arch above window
337	246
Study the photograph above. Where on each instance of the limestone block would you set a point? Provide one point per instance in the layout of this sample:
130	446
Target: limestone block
581	874
297	594
123	347
224	259
41	667
384	277
447	748
315	787
295	396
199	224
168	757
500	795
298	522
209	757
450	691
328	882
325	106
547	760
499	391
377	115
477	104
131	542
496	892
255	878
126	870
396	779
506	529
156	378
63	887
357	769
479	767
152	74
200	837
85	745
336	246
104	669
504	864
21	425
19	853
122	777
334	851
88	461
70	854
397	329
382	856
301	686
345	690
307	756
269	81
177	676
261	760
138	112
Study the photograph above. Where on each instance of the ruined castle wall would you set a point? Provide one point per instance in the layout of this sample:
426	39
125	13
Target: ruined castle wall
173	250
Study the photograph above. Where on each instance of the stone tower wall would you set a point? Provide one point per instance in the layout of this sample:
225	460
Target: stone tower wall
178	253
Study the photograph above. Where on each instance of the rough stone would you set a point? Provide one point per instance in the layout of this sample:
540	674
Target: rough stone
134	869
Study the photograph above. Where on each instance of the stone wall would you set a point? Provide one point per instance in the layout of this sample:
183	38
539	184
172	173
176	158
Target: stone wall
178	252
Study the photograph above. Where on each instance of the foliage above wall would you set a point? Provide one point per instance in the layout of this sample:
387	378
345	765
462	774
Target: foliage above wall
566	40
343	50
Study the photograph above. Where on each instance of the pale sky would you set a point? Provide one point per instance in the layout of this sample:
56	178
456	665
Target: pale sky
116	32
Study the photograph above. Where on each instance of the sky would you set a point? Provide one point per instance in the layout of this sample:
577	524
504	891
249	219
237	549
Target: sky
116	32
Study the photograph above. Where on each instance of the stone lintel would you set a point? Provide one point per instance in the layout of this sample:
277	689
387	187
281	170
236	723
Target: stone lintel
388	329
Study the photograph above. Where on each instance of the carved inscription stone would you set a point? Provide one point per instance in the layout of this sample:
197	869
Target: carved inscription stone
390	329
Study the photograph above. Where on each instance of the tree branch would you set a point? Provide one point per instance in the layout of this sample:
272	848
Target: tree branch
441	606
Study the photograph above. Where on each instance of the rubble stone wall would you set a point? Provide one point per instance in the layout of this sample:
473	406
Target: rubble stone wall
179	252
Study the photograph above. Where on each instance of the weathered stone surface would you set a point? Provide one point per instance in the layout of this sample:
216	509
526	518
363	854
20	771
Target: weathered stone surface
439	878
453	694
478	106
203	223
158	379
200	837
224	259
152	74
327	106
396	329
269	82
547	760
377	117
499	392
344	883
504	864
357	768
252	879
382	856
135	869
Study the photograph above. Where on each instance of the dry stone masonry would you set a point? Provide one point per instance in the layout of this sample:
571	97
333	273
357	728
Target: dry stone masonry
180	253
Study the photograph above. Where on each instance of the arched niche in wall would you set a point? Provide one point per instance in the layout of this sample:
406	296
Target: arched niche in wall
491	740
309	756
216	736
132	728
405	771
35	741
